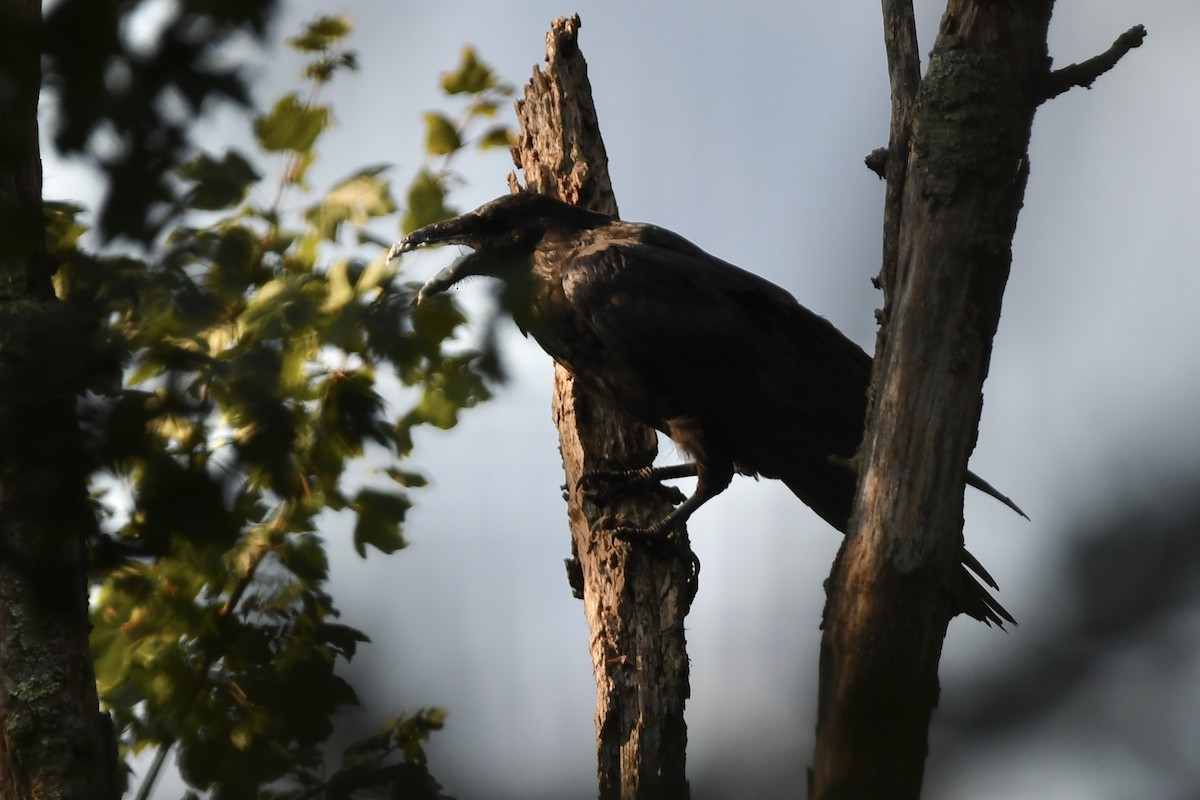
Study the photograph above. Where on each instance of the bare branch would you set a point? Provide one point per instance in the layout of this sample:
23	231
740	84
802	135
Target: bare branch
1086	73
904	75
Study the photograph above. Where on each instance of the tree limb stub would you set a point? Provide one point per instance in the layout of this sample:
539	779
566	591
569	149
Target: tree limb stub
1085	74
635	604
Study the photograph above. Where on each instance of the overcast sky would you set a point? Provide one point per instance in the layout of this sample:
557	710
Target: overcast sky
743	128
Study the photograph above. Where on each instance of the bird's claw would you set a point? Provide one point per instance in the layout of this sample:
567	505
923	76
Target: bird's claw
603	484
598	481
660	544
659	541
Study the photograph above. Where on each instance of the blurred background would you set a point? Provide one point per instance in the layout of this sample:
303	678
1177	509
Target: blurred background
744	130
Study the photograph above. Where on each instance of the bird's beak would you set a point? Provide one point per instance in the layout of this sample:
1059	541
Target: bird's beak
457	230
451	275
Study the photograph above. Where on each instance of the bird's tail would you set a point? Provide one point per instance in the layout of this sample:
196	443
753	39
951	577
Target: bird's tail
978	602
976	482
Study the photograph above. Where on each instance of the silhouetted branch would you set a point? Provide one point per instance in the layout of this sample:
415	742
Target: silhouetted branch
1085	74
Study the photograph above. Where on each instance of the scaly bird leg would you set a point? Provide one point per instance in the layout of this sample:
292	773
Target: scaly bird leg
712	480
603	482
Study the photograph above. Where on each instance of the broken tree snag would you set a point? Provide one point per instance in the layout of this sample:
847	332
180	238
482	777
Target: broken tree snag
635	604
947	252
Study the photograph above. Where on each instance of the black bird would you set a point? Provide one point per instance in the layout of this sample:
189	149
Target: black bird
729	365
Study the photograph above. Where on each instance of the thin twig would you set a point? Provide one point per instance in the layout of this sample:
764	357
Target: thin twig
160	756
904	76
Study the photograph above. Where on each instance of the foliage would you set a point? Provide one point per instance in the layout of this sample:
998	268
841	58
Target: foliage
444	136
129	105
236	378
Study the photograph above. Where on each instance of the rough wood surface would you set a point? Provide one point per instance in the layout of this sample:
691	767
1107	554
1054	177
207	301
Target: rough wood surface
54	742
635	603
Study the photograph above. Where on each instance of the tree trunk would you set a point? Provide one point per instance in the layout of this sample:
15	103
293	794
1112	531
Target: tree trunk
635	603
53	740
956	169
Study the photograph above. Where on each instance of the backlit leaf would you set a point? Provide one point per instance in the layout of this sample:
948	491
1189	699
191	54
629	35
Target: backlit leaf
471	76
379	517
497	136
291	125
441	137
426	202
218	184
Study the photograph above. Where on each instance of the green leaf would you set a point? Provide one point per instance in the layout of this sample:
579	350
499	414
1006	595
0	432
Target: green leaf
342	638
379	517
376	271
441	137
497	136
351	410
357	200
174	500
63	228
472	76
450	386
304	555
410	733
322	33
483	108
291	125
233	263
218	184
407	478
340	291
426	202
435	322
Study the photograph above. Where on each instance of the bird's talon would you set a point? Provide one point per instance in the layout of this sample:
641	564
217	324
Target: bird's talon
629	533
673	494
602	485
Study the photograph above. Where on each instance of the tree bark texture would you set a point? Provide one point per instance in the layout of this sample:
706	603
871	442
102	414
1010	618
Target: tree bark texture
54	743
956	170
635	603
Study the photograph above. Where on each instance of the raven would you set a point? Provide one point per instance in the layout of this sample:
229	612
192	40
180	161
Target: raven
730	366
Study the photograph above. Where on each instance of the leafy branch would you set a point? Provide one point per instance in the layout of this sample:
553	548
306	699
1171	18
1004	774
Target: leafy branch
234	383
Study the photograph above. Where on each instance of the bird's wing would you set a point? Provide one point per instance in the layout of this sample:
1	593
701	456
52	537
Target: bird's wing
706	340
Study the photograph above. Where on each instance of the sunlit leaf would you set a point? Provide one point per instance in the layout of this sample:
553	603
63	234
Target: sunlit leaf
497	136
257	333
470	76
441	137
63	228
322	33
426	202
357	200
291	125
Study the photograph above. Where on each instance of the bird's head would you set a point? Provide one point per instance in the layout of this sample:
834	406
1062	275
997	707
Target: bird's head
503	233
